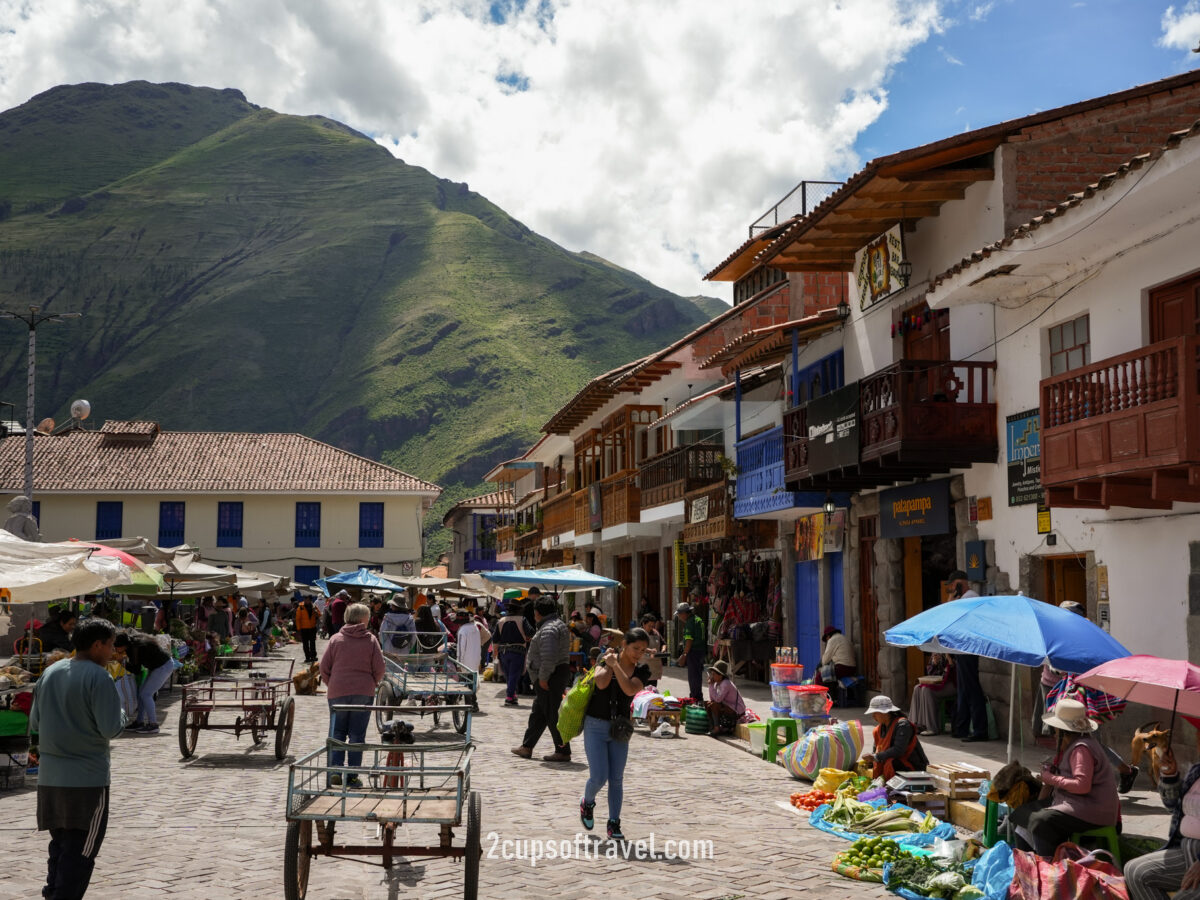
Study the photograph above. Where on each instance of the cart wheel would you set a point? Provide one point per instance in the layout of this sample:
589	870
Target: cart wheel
297	857
385	695
257	725
283	731
189	731
460	720
473	848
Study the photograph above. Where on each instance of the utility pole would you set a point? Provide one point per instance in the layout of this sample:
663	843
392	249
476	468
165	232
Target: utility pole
32	320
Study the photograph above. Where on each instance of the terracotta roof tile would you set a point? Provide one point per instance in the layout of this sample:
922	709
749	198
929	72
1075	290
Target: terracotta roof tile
192	461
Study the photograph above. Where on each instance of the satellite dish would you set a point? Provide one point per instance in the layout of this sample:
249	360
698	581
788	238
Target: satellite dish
81	409
46	425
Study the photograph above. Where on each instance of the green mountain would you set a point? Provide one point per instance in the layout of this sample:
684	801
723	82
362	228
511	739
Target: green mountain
243	269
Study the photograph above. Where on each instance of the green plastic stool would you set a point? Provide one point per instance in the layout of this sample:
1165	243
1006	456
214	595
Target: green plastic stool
792	732
1107	834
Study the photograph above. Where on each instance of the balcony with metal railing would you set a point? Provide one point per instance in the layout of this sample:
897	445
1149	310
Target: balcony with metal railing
1125	431
799	201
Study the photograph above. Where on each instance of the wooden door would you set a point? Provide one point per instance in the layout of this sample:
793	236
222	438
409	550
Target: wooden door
651	589
624	605
1175	309
1066	579
913	603
930	339
868	610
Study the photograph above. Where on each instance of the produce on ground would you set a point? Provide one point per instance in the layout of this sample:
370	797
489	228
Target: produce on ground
929	879
810	800
873	852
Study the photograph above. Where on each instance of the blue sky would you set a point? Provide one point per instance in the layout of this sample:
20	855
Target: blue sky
1019	57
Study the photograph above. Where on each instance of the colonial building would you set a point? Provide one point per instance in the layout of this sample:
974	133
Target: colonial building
474	523
281	503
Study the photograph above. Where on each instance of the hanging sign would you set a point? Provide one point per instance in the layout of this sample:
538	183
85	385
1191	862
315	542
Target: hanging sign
810	537
1024	458
915	510
984	509
835	531
699	510
833	430
976	560
877	267
681	567
1043	519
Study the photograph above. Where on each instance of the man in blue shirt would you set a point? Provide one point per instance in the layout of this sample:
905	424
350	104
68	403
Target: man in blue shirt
76	713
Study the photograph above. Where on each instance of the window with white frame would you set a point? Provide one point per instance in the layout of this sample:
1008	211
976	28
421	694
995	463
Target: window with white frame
1070	345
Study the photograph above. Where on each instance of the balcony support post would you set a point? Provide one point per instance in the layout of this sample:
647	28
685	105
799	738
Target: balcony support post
795	369
737	405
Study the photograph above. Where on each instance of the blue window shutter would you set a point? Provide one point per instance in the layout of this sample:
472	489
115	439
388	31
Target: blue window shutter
370	524
229	524
308	524
170	523
307	574
108	519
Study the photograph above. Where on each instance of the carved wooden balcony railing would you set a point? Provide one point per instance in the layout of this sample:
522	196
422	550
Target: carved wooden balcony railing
668	476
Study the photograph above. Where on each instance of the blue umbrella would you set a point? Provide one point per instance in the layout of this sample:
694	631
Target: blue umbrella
1014	629
556	579
363	578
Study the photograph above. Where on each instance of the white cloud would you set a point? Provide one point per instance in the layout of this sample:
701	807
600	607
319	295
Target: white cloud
651	134
981	11
950	57
1181	28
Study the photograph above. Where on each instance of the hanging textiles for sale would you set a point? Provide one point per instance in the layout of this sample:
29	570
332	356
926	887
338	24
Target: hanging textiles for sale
1100	706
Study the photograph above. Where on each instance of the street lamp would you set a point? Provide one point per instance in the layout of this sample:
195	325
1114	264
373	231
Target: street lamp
32	319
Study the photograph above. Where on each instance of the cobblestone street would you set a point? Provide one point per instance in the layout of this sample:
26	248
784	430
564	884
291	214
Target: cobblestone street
213	826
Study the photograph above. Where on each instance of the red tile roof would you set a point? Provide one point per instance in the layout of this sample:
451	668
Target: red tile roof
495	500
196	462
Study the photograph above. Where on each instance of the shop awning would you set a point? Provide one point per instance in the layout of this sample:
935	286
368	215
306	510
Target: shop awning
34	572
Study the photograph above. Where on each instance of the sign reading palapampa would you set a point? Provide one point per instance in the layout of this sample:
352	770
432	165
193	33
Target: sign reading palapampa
877	267
915	510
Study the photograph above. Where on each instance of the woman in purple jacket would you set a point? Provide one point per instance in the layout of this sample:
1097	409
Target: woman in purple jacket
351	668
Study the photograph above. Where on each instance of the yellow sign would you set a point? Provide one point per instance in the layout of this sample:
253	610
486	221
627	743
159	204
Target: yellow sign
877	267
1043	519
985	509
681	570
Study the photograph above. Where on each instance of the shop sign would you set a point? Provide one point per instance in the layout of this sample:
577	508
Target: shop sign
595	514
976	560
1043	519
915	510
973	510
1024	458
699	511
833	430
877	267
835	531
569	556
681	567
810	537
984	509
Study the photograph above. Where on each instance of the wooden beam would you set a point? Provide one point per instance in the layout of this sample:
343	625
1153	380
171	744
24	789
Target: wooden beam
925	195
892	213
932	176
1126	492
855	228
1088	491
835	242
1172	485
1064	497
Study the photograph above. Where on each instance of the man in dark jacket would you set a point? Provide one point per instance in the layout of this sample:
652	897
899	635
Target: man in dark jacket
547	665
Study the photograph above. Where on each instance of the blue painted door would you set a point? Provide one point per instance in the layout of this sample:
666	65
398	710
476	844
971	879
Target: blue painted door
808	615
837	596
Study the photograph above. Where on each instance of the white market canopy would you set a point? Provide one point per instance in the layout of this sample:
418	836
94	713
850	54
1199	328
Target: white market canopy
34	572
420	582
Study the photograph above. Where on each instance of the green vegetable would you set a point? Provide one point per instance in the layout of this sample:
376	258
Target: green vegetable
969	892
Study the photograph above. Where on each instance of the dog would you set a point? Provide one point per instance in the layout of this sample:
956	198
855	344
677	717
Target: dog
308	680
1153	741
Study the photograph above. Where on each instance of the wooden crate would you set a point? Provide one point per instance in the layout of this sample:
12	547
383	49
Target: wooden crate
968	814
958	781
933	802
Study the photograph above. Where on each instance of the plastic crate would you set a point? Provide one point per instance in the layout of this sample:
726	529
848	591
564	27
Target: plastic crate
809	699
787	673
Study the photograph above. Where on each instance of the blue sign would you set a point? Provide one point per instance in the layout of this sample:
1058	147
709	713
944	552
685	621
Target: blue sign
976	554
1024	442
915	510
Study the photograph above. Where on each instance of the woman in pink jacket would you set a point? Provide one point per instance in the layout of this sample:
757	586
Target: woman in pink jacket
351	668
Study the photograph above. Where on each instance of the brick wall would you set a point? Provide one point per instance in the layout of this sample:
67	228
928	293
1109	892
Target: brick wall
1046	163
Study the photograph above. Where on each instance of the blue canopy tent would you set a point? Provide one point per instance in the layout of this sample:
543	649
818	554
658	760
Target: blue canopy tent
562	580
362	578
1013	628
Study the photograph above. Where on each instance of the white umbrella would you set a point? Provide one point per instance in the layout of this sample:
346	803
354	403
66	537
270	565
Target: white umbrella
35	572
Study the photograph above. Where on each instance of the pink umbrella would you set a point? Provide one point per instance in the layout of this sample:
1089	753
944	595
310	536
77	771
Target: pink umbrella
1172	684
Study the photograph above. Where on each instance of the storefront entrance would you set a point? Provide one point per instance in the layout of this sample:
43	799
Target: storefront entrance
623	572
1066	579
651	589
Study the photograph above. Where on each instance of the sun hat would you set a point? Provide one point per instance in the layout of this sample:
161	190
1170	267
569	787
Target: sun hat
1070	715
882	704
683	608
721	667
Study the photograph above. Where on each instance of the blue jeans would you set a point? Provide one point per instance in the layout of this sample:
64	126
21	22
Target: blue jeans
513	663
154	680
349	726
606	763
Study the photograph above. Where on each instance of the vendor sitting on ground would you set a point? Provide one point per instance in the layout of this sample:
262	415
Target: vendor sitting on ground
926	694
897	748
725	704
837	659
1079	787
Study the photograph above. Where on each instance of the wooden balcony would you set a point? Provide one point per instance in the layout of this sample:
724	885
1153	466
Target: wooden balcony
669	476
528	541
707	514
1125	431
505	537
621	500
558	515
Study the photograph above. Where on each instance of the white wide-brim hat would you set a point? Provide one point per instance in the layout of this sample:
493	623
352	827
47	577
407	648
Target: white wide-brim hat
1070	715
882	704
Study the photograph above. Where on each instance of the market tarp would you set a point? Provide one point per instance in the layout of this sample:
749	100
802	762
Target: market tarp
561	580
421	582
363	578
35	572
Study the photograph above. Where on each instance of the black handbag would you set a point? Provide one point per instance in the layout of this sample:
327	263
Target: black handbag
620	726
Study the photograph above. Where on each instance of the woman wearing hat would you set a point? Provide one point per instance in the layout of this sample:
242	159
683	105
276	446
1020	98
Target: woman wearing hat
1079	786
725	704
897	748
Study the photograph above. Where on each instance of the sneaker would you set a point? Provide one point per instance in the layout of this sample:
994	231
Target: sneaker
1127	780
135	726
335	779
523	752
151	728
354	781
511	702
587	814
614	830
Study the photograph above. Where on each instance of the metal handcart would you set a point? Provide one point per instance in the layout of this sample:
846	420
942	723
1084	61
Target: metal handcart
256	699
